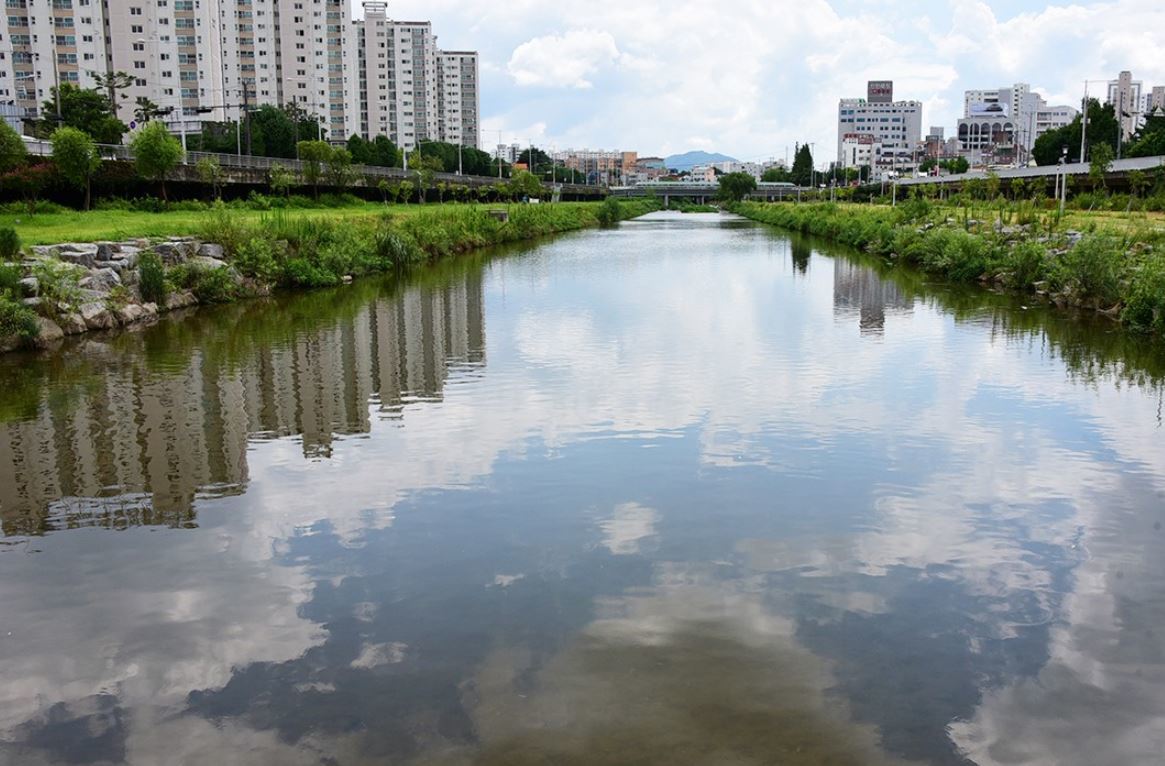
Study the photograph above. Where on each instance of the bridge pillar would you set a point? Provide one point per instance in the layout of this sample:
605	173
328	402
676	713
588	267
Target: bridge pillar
666	201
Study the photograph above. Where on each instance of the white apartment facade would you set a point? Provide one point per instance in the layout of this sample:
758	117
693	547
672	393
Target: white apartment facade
208	60
894	126
1001	125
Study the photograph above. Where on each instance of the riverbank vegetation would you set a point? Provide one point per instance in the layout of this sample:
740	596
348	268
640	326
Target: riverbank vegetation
1116	271
252	256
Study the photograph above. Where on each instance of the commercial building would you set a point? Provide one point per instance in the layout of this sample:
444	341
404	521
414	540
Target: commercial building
210	60
894	126
1000	126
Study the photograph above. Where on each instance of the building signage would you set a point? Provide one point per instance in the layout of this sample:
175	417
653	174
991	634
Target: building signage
880	91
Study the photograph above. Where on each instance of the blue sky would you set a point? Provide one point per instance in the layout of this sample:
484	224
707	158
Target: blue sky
750	78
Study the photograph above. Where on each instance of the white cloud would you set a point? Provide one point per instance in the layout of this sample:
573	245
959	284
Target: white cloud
564	61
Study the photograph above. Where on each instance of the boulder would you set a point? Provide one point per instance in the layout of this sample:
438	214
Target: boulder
72	323
32	303
102	280
207	263
151	309
48	332
44	251
175	251
97	316
86	258
130	313
180	300
29	286
106	250
211	250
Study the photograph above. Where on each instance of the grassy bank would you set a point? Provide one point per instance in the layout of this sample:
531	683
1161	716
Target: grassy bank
296	249
1118	271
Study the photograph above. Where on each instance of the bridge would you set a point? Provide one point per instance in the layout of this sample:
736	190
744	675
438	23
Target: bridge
1118	173
255	171
702	192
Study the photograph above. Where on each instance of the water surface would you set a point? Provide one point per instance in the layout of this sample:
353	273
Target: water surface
684	491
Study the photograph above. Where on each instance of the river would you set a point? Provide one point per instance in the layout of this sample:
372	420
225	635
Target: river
684	491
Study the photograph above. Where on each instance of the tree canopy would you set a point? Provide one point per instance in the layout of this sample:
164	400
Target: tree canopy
778	174
76	157
85	109
1102	129
802	173
155	152
13	152
1149	140
736	186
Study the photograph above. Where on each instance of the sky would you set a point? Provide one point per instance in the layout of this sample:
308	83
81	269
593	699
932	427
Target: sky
752	78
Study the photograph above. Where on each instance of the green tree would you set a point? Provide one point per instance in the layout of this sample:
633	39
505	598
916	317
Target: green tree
76	157
146	110
1100	164
802	173
930	163
211	174
280	179
314	155
778	174
525	184
360	150
405	189
736	186
956	165
111	82
155	152
84	109
13	152
385	153
991	185
1103	128
340	172
1149	141
1138	182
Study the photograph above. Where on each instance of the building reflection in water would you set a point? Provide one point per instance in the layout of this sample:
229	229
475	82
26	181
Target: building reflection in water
135	445
859	290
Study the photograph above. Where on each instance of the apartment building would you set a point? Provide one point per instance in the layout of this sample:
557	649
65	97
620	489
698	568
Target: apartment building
209	60
893	126
1124	93
599	164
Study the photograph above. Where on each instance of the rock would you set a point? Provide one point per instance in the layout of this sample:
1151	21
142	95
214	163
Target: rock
9	343
151	309
130	313
32	303
106	250
206	263
73	324
102	280
180	300
88	259
29	286
44	251
126	251
346	279
1073	237
211	250
49	332
174	252
97	317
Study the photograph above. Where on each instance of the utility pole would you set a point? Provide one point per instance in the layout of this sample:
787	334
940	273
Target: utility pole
1084	124
247	113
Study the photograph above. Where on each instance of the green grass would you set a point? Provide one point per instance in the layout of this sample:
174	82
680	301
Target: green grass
99	225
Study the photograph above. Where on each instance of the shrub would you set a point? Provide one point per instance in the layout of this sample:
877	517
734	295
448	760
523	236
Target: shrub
609	212
1029	263
256	258
1093	265
214	285
152	278
9	244
58	282
18	320
1145	302
301	272
10	276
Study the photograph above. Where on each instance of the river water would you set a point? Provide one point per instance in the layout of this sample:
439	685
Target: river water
685	491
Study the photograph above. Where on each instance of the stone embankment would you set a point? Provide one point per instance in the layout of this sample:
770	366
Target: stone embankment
82	287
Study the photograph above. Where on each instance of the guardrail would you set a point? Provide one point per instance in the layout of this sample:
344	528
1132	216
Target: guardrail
251	162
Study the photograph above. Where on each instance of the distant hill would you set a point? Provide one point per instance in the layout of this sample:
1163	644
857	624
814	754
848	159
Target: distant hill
689	160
